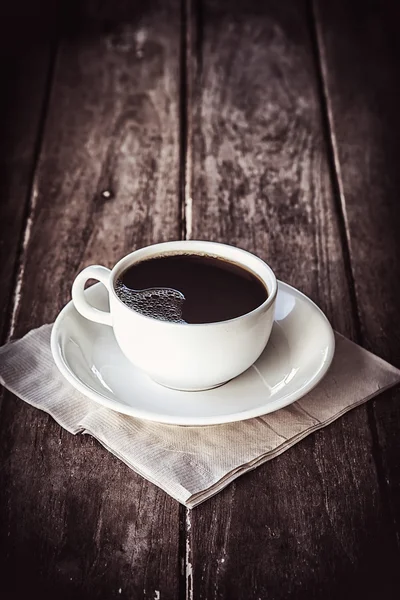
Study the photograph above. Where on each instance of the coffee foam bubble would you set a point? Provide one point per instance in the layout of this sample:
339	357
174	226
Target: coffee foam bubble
164	304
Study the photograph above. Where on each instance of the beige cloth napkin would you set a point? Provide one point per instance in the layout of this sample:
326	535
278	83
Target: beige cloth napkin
192	463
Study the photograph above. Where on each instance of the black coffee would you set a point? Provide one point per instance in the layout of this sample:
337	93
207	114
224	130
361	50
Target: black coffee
190	288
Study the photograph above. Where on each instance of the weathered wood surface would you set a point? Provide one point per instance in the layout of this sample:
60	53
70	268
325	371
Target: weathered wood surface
311	523
360	57
288	119
26	48
75	521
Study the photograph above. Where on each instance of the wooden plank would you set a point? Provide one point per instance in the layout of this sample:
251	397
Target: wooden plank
76	522
360	53
311	523
25	56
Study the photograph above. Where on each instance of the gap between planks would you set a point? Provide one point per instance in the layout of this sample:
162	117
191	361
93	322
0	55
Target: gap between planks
186	163
317	50
30	201
186	169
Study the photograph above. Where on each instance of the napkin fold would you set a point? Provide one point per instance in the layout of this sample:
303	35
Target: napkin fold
192	463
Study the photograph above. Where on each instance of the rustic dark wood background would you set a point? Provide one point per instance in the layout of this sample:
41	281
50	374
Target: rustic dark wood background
271	125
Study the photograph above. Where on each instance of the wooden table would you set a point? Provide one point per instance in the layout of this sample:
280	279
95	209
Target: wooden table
274	126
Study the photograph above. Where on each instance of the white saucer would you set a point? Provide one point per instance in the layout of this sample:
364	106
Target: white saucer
296	358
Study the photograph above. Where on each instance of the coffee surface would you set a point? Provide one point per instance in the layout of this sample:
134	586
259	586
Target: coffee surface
190	288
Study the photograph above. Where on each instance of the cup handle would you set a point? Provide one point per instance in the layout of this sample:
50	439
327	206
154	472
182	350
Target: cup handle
79	299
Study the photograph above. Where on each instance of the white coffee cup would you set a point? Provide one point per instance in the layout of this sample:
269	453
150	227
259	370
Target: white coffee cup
179	355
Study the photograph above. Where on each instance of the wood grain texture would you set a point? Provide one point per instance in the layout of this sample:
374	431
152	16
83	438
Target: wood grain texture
360	55
25	57
312	522
76	522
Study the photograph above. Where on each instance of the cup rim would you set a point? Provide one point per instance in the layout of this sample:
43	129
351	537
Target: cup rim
180	246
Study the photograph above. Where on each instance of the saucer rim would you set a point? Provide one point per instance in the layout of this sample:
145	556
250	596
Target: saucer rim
138	413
